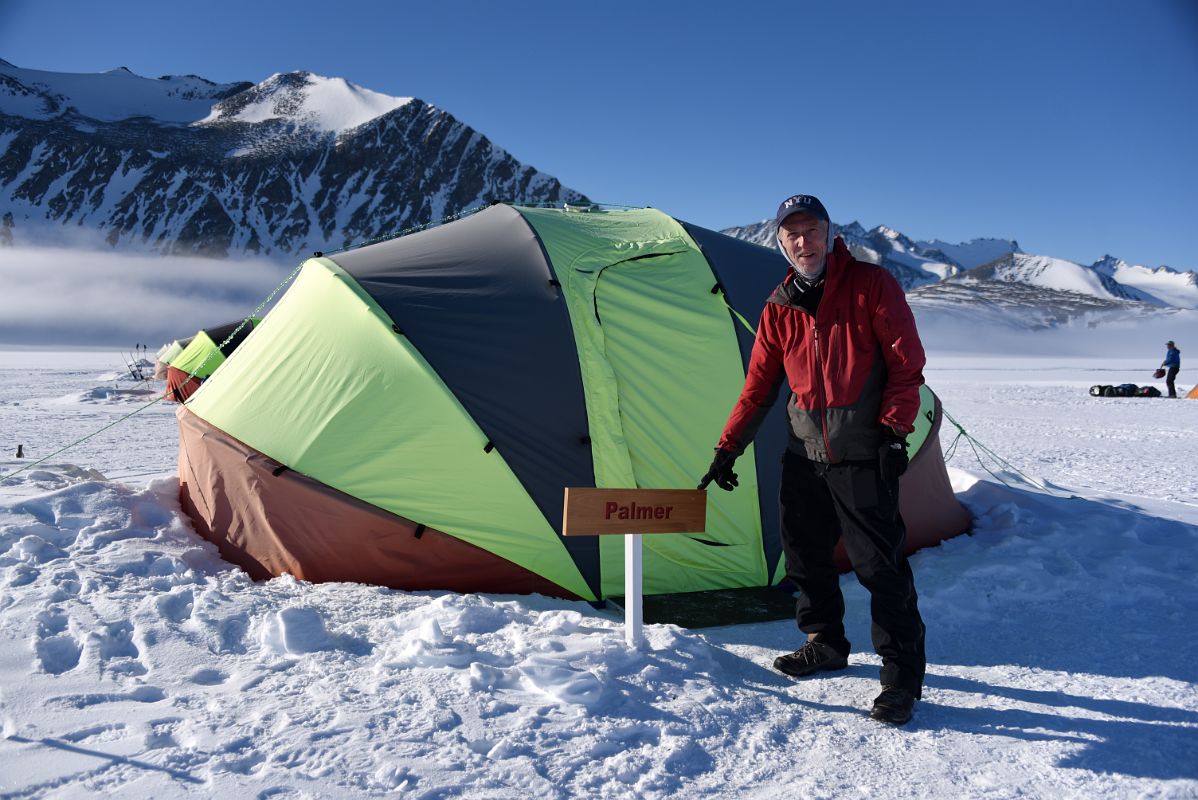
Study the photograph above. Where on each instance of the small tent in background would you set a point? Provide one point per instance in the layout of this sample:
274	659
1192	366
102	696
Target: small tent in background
410	412
202	354
1193	395
167	354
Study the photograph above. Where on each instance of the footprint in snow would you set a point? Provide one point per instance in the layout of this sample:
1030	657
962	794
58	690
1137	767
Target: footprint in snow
176	606
20	575
112	645
35	550
209	677
57	651
142	694
231	632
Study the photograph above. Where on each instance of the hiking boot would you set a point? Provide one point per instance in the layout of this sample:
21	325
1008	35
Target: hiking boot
810	658
893	706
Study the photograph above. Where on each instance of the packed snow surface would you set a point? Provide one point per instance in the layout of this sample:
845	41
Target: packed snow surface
1062	656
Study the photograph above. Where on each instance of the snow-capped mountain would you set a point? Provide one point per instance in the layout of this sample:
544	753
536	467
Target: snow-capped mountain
913	263
973	253
1162	285
293	164
1033	292
1053	273
1014	304
323	105
112	96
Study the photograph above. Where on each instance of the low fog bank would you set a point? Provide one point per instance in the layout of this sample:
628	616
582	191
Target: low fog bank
1121	335
64	296
59	296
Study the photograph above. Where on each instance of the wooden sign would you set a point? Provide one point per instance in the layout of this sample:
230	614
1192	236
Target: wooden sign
591	512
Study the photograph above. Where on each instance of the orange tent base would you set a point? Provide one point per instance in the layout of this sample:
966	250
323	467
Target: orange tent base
178	386
270	520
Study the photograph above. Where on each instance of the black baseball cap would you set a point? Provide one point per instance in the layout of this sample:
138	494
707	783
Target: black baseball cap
801	204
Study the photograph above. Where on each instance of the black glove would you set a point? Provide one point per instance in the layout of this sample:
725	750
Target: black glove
721	472
892	455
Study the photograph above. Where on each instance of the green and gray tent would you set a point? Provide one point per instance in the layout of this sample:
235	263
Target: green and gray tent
166	355
411	411
199	356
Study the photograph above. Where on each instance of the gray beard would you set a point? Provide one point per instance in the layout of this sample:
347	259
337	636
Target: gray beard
812	277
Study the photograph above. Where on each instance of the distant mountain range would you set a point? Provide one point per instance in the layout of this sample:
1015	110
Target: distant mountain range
300	162
293	164
990	278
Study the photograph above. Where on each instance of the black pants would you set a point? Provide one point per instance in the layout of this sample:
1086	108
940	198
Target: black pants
1170	376
823	503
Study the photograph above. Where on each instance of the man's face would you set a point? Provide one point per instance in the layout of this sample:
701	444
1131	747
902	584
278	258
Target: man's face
806	241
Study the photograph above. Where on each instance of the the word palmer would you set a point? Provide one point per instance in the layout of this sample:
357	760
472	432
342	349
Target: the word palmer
614	510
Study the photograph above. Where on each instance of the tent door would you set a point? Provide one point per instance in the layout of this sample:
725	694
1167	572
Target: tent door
668	342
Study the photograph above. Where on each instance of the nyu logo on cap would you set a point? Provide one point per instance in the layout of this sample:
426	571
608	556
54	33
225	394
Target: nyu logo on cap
802	204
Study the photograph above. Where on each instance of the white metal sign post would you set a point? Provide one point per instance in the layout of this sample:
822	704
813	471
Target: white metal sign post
631	513
633	610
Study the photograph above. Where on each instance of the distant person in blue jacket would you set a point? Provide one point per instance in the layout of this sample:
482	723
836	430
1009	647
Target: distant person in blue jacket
1172	363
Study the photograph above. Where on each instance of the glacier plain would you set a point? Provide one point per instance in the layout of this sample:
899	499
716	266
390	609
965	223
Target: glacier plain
1062	660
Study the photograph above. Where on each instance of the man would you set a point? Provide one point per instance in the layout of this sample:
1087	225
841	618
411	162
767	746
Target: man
840	331
1172	363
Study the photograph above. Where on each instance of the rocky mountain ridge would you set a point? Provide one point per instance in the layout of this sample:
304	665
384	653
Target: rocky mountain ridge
183	165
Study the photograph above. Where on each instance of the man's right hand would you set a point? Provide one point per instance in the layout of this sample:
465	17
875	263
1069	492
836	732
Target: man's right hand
892	455
721	472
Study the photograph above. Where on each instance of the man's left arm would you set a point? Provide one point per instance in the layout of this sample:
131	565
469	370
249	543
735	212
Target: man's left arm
894	327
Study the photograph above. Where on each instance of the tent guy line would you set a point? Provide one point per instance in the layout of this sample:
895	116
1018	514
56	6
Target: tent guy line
160	398
974	444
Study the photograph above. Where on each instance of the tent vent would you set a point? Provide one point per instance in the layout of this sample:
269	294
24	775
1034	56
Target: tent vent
397	329
279	470
555	283
490	446
419	531
717	288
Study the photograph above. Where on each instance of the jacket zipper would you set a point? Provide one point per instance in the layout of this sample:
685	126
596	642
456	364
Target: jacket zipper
823	402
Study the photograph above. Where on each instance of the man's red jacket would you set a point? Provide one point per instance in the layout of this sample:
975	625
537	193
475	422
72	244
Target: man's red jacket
853	367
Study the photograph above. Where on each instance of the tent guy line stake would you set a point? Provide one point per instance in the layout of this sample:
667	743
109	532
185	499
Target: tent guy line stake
33	464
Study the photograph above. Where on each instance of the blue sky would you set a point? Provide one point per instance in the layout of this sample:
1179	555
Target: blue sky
1069	126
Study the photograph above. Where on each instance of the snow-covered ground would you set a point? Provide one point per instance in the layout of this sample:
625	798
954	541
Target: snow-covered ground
1061	638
